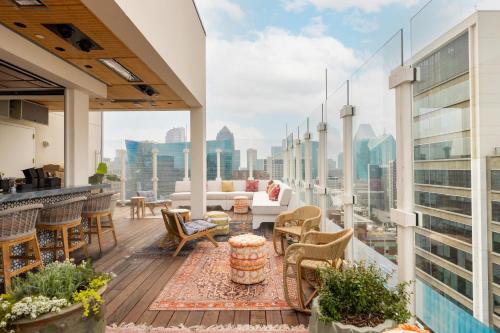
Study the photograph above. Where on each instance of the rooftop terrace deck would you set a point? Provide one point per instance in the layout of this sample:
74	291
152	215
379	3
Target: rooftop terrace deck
143	270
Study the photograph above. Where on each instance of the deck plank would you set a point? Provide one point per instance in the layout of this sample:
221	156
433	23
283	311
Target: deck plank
194	318
226	317
210	318
258	317
274	318
178	318
162	318
242	317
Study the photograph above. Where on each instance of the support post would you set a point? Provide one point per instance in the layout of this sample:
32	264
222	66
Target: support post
322	172
298	163
198	163
123	176
285	164
76	138
218	151
154	179
401	80
307	161
186	164
348	199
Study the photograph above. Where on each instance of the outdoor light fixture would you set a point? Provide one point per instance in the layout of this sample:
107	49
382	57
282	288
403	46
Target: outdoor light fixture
146	89
120	70
28	3
74	36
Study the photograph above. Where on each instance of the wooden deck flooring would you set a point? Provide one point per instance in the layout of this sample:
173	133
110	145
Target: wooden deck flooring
141	277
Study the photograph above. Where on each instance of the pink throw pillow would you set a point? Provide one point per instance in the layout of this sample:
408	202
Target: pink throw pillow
275	192
252	186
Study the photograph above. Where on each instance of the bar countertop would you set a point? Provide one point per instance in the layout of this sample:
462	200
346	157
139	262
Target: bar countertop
48	192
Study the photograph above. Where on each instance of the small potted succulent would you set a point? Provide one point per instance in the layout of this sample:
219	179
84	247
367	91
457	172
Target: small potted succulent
61	297
356	299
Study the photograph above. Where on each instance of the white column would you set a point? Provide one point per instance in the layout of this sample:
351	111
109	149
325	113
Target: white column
347	200
322	173
307	160
285	165
76	138
298	163
198	163
250	167
123	176
186	164
218	151
401	80
154	179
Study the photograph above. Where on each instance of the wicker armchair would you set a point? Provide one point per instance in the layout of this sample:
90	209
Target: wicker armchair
95	208
64	218
317	249
183	232
17	226
295	223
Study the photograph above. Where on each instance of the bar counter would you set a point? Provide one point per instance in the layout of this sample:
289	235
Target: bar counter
46	196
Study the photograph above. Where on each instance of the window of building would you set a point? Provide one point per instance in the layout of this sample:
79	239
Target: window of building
453	178
495	180
453	229
446	252
496	242
495	211
451	203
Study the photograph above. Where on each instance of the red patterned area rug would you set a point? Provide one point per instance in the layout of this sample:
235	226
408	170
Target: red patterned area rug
128	328
203	283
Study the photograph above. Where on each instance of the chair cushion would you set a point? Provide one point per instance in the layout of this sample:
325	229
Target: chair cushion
252	185
232	195
227	186
149	196
274	193
194	226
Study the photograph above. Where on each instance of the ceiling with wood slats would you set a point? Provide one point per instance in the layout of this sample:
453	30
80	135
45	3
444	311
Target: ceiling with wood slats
122	95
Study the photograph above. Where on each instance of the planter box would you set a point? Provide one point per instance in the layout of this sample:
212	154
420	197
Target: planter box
69	320
317	326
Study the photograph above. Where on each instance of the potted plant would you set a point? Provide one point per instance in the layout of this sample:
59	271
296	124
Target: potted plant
356	299
98	177
62	297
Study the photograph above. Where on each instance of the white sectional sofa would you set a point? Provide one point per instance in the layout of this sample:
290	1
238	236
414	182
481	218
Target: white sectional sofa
263	209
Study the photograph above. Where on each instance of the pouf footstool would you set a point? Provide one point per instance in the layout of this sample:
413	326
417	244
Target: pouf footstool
221	219
248	258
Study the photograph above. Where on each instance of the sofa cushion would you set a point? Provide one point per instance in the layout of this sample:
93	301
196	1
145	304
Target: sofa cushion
274	193
213	186
183	186
231	195
216	195
261	205
252	185
285	195
262	185
239	185
227	186
180	196
269	186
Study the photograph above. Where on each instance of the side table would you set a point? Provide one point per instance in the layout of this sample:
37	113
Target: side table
137	206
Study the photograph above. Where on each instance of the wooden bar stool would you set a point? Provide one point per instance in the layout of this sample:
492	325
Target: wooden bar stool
18	227
95	208
65	219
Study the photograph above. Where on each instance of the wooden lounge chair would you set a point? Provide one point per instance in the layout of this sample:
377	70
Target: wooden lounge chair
317	250
186	231
151	202
295	223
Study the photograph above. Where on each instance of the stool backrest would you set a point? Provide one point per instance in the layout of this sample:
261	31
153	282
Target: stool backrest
18	222
62	212
97	203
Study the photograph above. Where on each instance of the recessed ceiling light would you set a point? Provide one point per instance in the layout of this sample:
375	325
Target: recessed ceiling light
39	36
137	104
120	70
58	48
169	103
88	66
20	25
28	3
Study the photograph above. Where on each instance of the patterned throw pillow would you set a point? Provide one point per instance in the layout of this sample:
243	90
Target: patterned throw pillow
227	186
269	186
275	192
252	186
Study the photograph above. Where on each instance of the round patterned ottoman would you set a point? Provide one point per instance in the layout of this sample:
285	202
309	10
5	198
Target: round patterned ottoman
248	258
240	204
221	219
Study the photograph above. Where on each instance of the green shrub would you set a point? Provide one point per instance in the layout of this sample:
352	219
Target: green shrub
358	294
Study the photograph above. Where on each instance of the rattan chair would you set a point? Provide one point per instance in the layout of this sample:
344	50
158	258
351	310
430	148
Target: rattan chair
95	208
317	250
64	220
18	227
175	230
295	223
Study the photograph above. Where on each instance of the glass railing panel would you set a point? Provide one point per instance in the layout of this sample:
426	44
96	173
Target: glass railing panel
374	156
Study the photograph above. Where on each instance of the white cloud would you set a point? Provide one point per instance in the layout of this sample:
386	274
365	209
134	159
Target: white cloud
339	5
315	28
226	7
360	22
275	73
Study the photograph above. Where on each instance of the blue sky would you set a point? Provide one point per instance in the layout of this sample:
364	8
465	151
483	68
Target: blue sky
266	61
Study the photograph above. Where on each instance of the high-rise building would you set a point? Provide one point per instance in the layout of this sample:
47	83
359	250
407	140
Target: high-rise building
176	134
361	151
225	135
277	162
251	158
